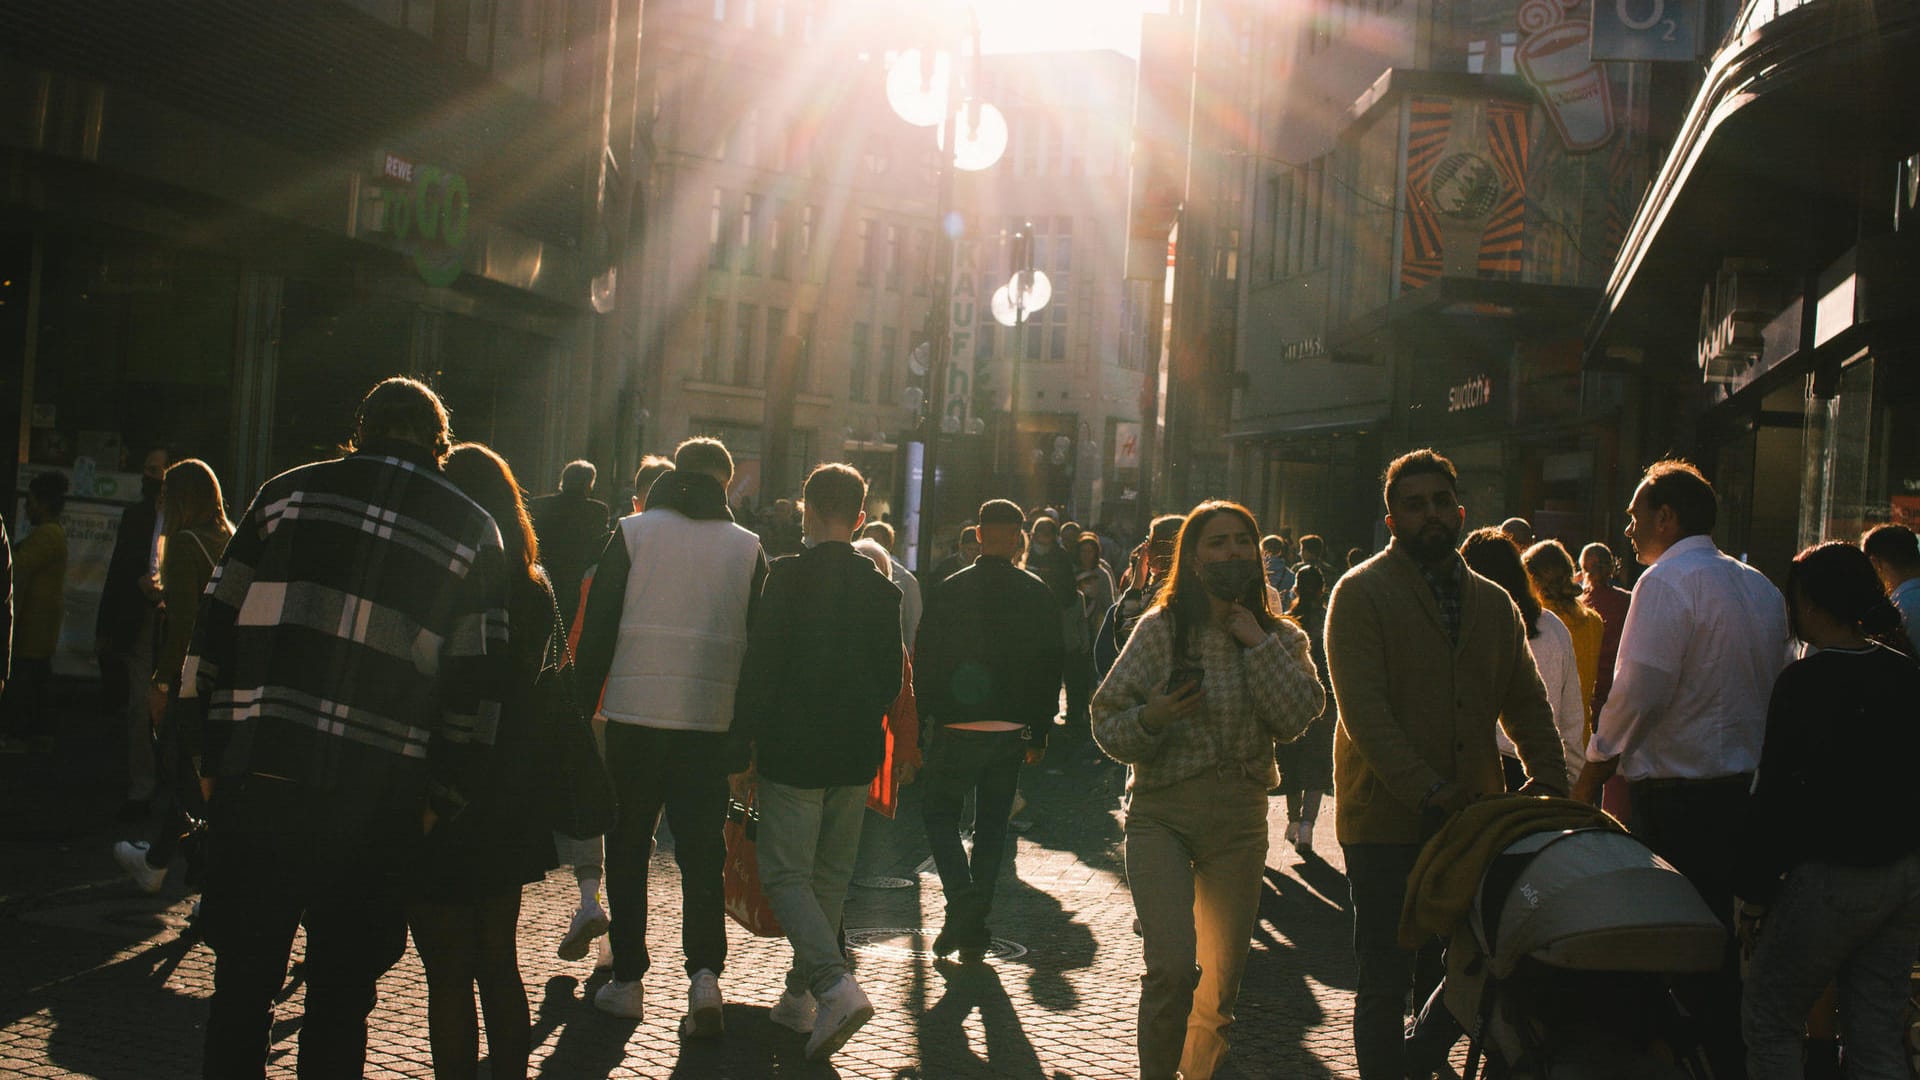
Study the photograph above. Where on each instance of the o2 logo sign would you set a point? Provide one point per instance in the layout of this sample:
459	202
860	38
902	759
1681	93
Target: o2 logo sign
428	217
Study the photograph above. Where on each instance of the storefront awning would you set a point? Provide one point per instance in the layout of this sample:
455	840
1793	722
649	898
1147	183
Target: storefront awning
1340	420
1770	163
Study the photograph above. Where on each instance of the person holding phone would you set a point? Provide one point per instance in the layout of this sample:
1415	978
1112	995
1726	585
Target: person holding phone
1209	680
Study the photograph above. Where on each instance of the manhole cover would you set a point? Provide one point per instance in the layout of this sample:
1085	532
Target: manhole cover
883	883
906	943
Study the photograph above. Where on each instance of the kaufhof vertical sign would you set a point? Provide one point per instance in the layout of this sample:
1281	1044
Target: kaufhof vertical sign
963	320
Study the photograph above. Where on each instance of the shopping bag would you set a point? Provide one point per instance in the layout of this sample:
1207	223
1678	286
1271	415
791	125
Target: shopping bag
746	903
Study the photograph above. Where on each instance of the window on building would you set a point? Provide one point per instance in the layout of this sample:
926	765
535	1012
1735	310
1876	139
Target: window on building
717	232
889	349
890	268
1477	57
1062	245
804	252
779	18
719	10
806	20
746	324
748	138
1226	256
1266	258
775	339
879	155
803	360
1296	224
1509	41
1057	315
749	229
714	341
747	13
777	238
922	268
857	363
1316	196
863	266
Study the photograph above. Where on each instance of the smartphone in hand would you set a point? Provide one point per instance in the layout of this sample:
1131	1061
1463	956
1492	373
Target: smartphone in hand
1184	674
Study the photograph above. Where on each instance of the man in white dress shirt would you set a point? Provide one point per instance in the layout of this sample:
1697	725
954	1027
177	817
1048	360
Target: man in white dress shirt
1704	640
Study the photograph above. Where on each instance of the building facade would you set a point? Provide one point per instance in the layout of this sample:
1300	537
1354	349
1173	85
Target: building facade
1434	196
220	225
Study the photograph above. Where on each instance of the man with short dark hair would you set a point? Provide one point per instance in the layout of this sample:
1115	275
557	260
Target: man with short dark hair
571	526
823	665
348	656
1313	552
660	647
1703	643
965	552
987	680
1895	555
1426	657
652	468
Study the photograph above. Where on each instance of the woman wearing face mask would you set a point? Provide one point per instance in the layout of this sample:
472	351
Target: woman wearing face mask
1209	680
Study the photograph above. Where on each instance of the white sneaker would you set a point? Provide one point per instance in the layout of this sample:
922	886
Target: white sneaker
794	1011
620	998
843	1009
132	857
705	1017
604	961
588	923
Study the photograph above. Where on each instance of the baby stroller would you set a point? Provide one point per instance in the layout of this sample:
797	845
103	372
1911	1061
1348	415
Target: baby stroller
1562	970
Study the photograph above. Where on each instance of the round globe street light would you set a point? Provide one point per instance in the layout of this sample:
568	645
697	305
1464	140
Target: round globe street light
925	88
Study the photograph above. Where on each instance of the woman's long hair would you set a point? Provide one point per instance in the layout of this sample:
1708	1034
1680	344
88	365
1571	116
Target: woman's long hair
1309	592
488	480
1493	555
1551	568
1839	579
1185	596
190	497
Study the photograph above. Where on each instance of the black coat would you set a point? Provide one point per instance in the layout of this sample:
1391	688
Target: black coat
989	649
572	529
823	666
123	605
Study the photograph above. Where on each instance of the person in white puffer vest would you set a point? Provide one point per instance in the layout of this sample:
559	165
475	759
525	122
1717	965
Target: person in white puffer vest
661	643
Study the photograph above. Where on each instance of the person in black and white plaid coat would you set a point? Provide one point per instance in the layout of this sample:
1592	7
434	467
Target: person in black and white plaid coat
345	675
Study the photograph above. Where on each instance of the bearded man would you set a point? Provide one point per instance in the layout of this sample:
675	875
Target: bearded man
1426	657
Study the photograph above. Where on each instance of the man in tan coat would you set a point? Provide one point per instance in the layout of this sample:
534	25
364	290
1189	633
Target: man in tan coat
1426	657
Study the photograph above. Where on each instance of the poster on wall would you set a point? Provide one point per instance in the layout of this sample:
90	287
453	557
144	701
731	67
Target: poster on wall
91	519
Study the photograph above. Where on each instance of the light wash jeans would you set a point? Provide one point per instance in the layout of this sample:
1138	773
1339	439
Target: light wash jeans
808	839
1858	925
1196	862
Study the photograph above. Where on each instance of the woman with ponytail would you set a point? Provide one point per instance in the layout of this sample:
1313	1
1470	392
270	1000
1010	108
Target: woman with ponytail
1209	680
1830	862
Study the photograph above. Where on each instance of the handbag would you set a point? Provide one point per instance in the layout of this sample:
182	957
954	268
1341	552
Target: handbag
582	803
746	901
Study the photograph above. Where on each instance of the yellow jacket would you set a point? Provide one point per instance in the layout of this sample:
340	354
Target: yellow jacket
39	590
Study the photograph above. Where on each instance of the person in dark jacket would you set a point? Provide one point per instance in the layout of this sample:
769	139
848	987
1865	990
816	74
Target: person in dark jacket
572	526
125	626
823	664
466	903
987	678
375	597
1828	866
1143	584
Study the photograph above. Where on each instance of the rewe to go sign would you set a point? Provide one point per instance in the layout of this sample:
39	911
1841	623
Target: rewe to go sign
425	209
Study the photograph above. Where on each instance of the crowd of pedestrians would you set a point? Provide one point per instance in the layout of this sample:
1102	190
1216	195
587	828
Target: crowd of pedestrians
346	711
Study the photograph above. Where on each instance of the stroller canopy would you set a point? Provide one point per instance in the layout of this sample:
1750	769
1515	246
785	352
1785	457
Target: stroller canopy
1593	900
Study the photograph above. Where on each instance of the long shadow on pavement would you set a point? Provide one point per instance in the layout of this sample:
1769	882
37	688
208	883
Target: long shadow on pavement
943	1039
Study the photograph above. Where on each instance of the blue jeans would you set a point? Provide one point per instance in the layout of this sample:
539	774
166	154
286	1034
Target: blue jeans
1860	925
806	845
1377	878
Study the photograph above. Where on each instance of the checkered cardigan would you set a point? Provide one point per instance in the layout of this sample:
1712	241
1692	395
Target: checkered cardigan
1253	697
354	634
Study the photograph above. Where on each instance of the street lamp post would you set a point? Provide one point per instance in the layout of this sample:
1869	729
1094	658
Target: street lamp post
922	86
1026	292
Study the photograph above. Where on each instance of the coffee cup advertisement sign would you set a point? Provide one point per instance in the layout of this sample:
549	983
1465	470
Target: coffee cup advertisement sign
1553	57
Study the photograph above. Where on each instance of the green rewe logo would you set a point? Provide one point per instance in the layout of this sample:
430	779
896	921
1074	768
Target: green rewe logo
429	220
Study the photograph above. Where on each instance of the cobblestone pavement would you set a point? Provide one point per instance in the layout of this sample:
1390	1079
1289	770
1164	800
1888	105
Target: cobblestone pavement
101	981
